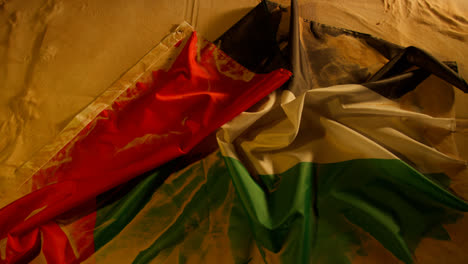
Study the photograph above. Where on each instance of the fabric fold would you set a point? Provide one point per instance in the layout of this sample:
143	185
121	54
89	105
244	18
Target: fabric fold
150	124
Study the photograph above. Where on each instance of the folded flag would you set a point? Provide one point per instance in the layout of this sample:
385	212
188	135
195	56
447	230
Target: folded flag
352	162
338	174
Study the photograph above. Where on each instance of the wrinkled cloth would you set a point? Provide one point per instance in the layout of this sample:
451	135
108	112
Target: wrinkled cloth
350	162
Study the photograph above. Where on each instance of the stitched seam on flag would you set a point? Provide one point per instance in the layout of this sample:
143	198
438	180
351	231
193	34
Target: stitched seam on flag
30	167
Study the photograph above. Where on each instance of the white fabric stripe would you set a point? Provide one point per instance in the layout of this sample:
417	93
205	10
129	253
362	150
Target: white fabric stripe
336	124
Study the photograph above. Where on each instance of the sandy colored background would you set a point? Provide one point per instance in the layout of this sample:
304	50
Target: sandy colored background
57	56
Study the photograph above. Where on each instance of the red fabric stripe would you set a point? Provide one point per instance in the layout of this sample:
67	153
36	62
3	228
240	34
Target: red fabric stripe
165	119
23	249
56	247
82	231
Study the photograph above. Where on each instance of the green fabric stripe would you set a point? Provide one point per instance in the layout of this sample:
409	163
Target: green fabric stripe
386	198
208	187
312	212
211	192
119	206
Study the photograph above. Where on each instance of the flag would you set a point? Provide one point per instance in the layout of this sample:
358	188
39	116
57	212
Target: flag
353	161
338	174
